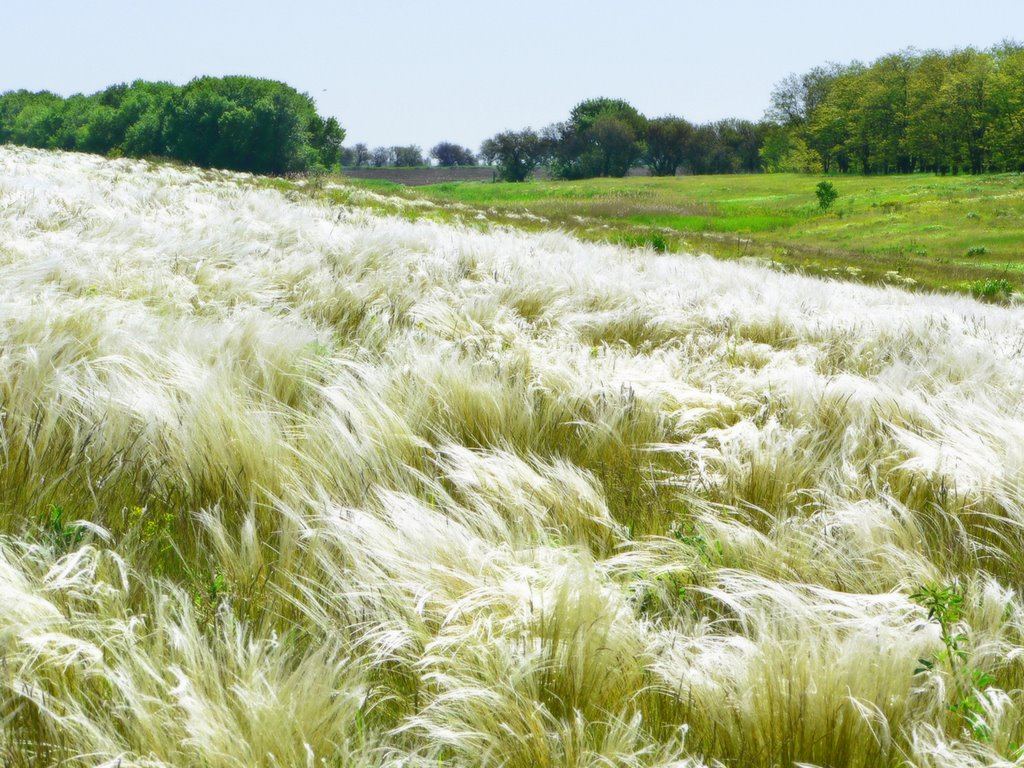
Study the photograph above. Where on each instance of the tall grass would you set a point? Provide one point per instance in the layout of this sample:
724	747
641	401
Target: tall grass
287	484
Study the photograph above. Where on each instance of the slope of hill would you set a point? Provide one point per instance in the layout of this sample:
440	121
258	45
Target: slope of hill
287	484
942	233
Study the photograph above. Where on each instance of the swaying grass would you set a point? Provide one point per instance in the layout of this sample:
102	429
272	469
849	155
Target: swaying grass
287	484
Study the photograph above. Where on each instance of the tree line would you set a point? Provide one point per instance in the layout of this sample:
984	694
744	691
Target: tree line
446	153
945	112
608	137
960	111
240	123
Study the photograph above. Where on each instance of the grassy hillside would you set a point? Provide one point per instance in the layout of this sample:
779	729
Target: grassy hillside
292	484
953	233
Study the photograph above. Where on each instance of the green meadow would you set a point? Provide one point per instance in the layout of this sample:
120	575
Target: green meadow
948	233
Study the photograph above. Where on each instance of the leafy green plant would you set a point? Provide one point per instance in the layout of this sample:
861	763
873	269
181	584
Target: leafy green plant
152	531
709	552
826	194
945	608
63	536
208	597
977	250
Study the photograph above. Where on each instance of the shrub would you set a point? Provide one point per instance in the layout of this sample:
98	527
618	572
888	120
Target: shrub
826	195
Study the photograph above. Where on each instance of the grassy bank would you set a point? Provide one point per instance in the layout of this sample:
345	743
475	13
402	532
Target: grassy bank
955	233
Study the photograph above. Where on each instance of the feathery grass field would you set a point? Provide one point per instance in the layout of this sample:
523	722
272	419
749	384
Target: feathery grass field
292	484
949	233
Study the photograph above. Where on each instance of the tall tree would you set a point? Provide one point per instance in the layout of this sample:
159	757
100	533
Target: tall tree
667	140
449	154
408	156
603	137
516	153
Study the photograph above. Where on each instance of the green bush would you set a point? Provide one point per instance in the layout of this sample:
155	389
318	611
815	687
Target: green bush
826	195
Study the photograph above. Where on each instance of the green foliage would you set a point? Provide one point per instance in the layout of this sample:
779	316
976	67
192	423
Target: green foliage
409	156
240	123
603	137
152	533
516	153
783	151
207	597
826	194
727	146
654	240
449	154
61	535
952	112
945	608
977	250
710	553
667	142
992	288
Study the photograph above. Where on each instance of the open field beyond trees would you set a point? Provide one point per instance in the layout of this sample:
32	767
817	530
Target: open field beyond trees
948	233
287	482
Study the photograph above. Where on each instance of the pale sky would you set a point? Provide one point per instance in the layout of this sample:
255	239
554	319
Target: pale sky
404	72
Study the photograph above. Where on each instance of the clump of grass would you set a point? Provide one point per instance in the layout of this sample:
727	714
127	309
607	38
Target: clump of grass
991	289
654	240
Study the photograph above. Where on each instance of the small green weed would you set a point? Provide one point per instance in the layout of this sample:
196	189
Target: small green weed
689	534
208	598
61	535
153	530
977	250
945	608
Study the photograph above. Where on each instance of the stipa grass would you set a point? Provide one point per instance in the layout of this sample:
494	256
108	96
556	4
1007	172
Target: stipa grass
284	484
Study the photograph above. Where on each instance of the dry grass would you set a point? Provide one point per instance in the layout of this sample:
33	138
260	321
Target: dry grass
284	484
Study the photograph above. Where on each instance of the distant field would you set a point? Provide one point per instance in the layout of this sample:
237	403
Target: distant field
955	233
415	177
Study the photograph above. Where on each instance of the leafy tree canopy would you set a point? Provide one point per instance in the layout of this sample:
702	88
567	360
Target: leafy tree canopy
448	154
516	153
241	123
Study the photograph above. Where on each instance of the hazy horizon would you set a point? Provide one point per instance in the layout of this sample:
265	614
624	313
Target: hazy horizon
403	73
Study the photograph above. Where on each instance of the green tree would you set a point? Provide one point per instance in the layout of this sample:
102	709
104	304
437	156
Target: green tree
784	151
409	156
449	154
667	140
826	194
516	153
603	137
1006	107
